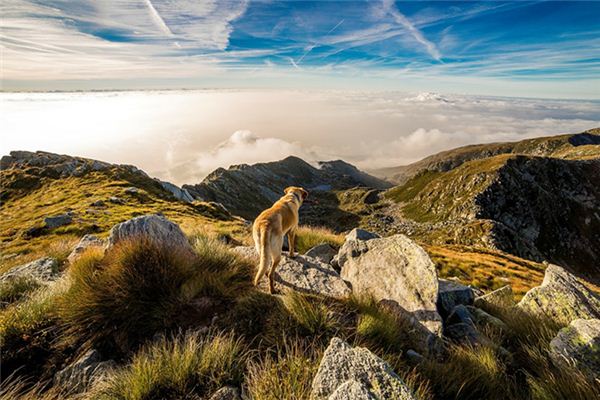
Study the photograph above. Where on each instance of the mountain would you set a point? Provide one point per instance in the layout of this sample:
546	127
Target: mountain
535	207
246	190
571	146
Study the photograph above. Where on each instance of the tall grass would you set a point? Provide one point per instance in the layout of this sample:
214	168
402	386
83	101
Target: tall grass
17	288
310	236
310	313
179	367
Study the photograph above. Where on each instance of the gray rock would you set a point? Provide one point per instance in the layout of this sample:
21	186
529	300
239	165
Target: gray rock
361	234
451	294
58	220
80	375
561	297
484	319
97	203
303	274
323	252
372	196
352	390
116	200
413	357
460	314
226	393
86	242
156	228
43	269
176	191
132	190
342	363
394	268
502	297
579	344
463	333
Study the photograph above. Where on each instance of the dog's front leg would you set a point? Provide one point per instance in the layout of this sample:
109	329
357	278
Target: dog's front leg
291	241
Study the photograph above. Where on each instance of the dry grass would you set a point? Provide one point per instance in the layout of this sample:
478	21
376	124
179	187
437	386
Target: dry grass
310	236
310	313
17	288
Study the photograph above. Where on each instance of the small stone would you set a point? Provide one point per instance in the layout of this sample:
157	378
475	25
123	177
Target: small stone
57	220
132	190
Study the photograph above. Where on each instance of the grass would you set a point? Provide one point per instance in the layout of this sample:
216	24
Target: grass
310	236
17	288
285	373
179	367
311	313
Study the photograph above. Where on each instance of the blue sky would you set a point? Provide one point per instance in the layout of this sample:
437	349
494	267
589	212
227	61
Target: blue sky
520	48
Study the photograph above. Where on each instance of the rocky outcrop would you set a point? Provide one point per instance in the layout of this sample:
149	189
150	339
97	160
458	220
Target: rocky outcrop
345	370
361	234
58	220
322	252
80	375
155	228
176	191
43	269
561	297
246	190
579	344
502	297
451	294
303	274
86	242
393	268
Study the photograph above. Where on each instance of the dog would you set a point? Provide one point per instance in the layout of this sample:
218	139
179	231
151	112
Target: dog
271	226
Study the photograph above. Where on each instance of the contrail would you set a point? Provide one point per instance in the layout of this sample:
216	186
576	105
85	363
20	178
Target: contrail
312	46
158	19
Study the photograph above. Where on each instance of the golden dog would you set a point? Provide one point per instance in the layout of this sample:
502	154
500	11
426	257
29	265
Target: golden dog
270	227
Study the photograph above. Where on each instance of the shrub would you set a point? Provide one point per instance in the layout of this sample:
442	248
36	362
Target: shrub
15	289
309	236
179	366
286	373
310	313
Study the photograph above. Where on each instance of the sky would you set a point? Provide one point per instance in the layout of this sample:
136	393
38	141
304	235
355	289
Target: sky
546	49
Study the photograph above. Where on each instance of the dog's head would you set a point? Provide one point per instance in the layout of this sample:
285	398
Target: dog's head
299	192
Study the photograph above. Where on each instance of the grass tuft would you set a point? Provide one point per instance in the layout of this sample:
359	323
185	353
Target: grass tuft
310	236
310	313
17	288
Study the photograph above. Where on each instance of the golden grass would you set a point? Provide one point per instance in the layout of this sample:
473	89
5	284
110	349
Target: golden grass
310	236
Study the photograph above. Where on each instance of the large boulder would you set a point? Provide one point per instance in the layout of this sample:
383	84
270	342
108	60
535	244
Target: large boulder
342	363
303	274
85	243
561	297
394	268
80	375
43	269
451	294
352	390
502	297
361	234
579	344
155	228
322	252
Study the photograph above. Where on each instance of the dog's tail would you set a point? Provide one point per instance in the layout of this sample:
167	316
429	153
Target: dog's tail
264	253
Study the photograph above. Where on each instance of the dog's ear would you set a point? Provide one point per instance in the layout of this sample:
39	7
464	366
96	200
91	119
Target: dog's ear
304	194
288	189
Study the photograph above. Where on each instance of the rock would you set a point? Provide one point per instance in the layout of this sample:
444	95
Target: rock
352	390
43	269
156	228
97	203
58	220
177	192
413	357
86	242
116	200
342	363
132	190
463	333
482	318
226	393
360	234
561	297
323	252
579	344
303	274
460	314
502	297
80	375
451	294
34	231
394	268
372	196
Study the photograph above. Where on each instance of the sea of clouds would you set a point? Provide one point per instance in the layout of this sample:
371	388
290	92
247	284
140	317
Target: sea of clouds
183	135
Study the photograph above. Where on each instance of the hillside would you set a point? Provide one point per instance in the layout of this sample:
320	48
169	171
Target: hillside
81	196
246	190
571	146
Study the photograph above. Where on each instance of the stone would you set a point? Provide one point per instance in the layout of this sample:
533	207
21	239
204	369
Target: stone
451	294
226	393
176	191
132	190
80	375
372	196
414	357
342	363
484	319
502	297
579	345
352	390
463	333
43	269
303	274
561	297
58	220
361	234
460	314
86	242
394	268
116	200
97	203
322	252
156	228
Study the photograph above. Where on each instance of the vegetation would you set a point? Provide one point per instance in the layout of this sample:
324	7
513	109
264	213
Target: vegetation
15	289
309	236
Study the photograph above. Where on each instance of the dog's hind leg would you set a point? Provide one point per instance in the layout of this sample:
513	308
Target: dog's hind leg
271	274
264	253
276	245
